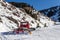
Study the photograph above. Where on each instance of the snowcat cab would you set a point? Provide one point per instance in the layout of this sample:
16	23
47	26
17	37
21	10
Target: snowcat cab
24	26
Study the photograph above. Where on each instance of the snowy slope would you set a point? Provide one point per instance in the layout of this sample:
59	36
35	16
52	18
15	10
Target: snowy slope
10	17
34	13
48	33
53	13
43	19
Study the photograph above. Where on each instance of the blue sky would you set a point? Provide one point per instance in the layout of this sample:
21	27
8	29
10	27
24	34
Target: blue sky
39	4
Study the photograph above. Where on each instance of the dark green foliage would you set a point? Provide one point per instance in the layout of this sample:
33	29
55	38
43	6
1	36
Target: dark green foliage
45	25
37	25
20	5
28	9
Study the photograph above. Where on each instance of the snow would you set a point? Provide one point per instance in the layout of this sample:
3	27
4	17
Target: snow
47	33
11	17
55	13
7	23
45	20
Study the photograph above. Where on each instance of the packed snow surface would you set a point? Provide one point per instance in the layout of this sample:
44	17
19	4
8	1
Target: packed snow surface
47	33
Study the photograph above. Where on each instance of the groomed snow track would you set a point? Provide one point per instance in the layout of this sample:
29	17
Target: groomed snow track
48	33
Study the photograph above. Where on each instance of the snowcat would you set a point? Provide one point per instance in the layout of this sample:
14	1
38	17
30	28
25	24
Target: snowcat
24	28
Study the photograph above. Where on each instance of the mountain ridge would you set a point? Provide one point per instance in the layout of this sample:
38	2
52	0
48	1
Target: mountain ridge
52	12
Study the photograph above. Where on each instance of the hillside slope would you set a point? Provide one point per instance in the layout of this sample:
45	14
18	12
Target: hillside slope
10	17
53	13
44	20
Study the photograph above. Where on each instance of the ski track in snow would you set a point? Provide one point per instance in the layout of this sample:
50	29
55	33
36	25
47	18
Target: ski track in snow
48	33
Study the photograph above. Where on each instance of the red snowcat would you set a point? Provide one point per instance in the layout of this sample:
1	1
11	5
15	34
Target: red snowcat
24	28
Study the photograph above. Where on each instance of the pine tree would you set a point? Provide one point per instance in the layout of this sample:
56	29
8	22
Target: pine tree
45	25
37	25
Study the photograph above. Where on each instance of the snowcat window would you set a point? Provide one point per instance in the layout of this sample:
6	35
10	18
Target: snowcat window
23	23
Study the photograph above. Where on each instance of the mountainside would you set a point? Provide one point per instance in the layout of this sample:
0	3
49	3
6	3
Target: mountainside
53	13
11	16
25	6
44	20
